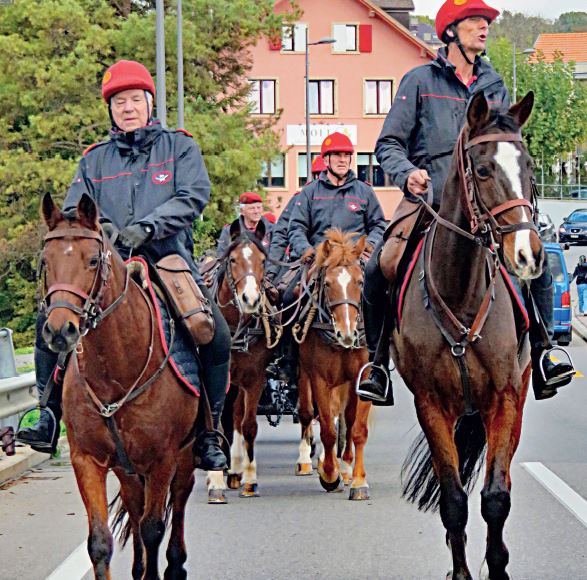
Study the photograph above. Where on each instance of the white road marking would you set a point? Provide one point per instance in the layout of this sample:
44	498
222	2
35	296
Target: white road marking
576	504
74	567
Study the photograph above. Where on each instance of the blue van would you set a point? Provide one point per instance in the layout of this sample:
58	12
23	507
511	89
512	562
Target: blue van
563	332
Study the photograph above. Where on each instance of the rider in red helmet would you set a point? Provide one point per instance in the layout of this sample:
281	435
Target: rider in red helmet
150	184
415	148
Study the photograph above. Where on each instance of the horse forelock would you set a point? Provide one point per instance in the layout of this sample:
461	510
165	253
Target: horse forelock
340	251
243	238
498	122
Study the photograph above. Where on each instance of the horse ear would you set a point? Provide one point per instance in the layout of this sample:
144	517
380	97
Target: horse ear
88	212
326	247
51	213
522	109
260	230
478	110
235	229
360	246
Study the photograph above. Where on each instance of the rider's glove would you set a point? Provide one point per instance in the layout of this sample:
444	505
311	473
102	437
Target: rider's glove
136	235
308	256
272	291
110	231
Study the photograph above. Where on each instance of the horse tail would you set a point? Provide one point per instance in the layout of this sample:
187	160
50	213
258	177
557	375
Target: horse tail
120	522
419	480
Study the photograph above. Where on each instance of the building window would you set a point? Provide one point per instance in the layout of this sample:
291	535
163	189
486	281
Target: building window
368	169
303	169
293	38
346	37
321	97
273	173
263	96
378	95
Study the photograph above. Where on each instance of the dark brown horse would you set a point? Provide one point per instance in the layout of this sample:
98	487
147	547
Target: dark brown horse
457	346
107	321
243	303
329	368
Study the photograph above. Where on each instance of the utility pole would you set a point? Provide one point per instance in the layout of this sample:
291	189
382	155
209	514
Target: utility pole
180	119
160	60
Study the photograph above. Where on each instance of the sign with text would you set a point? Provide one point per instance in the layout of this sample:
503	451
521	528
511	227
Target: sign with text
296	134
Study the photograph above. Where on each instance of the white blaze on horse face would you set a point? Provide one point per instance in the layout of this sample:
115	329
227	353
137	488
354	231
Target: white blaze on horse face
250	293
344	279
68	250
508	158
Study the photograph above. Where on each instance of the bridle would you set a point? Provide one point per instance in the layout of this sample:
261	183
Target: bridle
92	312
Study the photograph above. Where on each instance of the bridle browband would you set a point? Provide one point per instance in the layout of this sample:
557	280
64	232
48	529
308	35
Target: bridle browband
92	312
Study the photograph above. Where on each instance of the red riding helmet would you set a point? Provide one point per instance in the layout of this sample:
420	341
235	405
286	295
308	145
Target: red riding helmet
455	10
124	75
318	165
337	143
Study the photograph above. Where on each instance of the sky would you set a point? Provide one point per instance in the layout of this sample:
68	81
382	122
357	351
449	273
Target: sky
544	8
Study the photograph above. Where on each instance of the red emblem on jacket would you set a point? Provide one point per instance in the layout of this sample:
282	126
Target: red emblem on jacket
161	177
354	206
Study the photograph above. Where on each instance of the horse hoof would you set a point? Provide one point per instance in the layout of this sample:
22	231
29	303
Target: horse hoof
233	480
347	478
249	490
216	496
359	493
304	469
332	486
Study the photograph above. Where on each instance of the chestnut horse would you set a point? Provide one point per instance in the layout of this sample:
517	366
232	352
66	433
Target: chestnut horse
242	301
100	315
457	345
329	368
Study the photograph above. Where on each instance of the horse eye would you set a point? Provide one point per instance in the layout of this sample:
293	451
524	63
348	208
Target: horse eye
483	171
94	261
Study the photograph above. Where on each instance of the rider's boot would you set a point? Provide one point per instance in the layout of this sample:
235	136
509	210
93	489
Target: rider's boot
43	436
547	375
377	387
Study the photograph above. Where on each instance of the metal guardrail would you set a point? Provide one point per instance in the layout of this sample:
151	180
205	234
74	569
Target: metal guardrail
16	394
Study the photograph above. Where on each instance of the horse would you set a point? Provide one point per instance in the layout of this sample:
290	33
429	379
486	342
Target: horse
456	343
242	301
124	407
329	368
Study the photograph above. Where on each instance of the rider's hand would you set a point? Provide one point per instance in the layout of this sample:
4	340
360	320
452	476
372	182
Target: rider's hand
308	256
418	182
110	230
272	291
135	236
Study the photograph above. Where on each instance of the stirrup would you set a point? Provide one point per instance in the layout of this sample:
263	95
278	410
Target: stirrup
547	353
40	409
369	394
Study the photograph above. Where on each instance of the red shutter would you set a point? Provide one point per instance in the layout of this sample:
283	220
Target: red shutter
365	38
275	44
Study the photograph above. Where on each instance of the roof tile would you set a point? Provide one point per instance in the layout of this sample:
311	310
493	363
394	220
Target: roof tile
573	46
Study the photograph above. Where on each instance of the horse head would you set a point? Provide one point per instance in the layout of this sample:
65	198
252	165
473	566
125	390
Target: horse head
245	266
338	261
499	183
75	265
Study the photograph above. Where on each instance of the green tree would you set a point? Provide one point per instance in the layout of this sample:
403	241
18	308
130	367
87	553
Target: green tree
520	28
571	22
53	54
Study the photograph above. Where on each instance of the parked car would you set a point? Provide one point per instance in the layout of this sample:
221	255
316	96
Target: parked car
579	193
563	331
574	227
546	228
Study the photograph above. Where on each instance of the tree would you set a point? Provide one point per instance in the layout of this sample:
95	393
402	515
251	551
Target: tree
520	28
571	22
53	54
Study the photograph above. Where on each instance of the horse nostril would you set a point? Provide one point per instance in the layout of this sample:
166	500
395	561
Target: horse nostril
47	329
522	261
69	329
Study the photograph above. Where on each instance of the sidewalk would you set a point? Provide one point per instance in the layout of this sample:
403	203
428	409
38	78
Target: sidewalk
580	325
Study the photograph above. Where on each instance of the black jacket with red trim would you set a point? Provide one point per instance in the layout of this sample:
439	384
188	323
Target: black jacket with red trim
351	207
427	115
280	240
149	176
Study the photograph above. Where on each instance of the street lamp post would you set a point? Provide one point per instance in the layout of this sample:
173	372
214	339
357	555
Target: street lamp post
527	51
308	145
160	64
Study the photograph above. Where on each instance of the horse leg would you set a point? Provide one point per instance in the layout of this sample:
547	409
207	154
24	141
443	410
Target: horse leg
235	472
360	432
350	415
181	488
91	481
454	513
250	428
306	414
132	494
328	470
503	435
152	527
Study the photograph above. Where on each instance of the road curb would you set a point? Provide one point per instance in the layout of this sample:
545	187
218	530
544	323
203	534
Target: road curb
580	330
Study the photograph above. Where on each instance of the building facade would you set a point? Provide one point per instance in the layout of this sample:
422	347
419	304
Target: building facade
352	84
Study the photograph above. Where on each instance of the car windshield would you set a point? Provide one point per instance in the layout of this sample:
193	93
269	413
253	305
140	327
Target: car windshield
578	216
556	266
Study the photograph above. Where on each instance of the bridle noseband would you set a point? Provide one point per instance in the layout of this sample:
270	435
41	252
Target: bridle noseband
92	311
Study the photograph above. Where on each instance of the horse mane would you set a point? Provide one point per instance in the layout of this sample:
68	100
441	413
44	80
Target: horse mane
244	237
338	249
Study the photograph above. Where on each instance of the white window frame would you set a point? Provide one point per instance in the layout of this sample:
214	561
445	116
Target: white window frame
260	93
266	174
296	42
380	112
342	48
373	163
318	83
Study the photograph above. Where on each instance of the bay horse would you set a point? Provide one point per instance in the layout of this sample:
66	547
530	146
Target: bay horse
329	368
100	315
242	301
456	344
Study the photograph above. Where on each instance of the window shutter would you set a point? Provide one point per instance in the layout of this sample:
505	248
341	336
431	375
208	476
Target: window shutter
275	44
365	38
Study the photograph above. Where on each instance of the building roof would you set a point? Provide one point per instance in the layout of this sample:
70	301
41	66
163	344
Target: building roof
395	4
573	46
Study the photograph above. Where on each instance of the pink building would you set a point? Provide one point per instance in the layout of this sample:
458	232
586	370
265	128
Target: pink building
352	85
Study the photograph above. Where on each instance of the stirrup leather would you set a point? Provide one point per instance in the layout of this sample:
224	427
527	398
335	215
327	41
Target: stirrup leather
369	394
568	360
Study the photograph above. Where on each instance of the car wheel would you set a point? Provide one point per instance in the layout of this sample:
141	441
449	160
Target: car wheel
565	339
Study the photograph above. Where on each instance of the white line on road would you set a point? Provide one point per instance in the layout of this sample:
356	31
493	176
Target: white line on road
74	567
576	504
